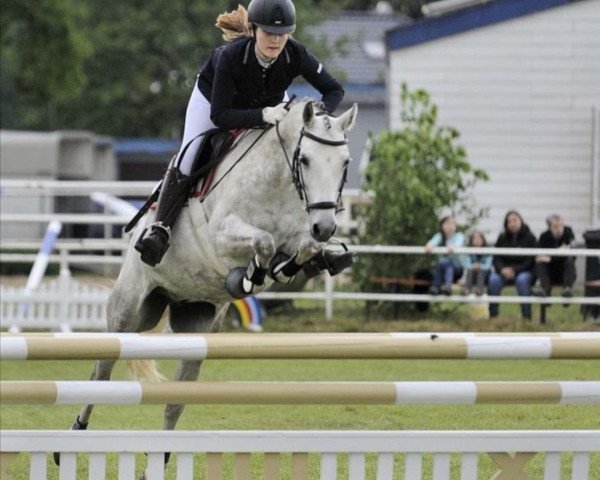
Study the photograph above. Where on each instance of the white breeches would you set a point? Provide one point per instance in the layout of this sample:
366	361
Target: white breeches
197	121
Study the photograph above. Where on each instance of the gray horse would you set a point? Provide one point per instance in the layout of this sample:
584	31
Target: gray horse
270	209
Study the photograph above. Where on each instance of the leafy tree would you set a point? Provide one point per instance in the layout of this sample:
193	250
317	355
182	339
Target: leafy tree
42	52
144	62
415	173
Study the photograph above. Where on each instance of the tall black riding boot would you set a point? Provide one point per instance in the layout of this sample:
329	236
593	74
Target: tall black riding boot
154	240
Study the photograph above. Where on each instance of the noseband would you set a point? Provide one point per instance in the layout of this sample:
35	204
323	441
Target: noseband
296	170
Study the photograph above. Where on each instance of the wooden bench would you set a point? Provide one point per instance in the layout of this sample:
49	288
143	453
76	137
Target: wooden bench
404	282
396	284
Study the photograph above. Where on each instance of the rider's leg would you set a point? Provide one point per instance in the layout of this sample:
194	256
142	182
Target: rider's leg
154	241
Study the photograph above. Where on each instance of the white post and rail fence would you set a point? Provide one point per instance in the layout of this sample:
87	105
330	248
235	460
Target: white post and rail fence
71	252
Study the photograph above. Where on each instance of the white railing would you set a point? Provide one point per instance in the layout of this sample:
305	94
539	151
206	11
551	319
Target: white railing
66	257
328	295
23	188
62	304
388	447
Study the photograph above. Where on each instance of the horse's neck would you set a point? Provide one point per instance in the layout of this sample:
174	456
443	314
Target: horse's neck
256	159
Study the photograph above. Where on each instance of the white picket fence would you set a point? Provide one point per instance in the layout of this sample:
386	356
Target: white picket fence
390	448
59	304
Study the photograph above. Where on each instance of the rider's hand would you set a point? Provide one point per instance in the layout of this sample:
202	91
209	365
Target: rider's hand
273	115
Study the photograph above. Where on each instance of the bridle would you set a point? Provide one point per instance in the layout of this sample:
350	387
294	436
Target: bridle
295	167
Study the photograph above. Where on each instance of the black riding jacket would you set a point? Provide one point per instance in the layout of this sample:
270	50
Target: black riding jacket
238	87
523	239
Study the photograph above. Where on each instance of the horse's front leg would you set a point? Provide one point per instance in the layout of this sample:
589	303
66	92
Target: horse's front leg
284	266
234	238
312	259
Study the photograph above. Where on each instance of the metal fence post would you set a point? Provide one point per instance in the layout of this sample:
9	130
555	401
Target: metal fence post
328	296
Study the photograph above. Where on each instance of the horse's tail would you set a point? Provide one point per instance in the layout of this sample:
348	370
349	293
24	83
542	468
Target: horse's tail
234	24
144	371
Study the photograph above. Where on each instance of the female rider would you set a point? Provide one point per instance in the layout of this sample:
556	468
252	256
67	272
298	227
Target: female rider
241	85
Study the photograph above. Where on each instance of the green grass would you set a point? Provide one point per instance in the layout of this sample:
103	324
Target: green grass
308	317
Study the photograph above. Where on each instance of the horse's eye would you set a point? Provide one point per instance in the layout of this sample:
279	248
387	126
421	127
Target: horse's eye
304	160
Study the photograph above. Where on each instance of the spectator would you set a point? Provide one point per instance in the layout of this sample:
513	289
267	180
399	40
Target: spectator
560	270
513	269
477	266
448	268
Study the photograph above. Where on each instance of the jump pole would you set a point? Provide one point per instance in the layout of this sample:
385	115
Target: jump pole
298	393
87	346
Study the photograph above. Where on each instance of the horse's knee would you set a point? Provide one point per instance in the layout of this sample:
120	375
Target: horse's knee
307	249
264	247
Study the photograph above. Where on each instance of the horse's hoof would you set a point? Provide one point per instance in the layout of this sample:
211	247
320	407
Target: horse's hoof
77	425
234	283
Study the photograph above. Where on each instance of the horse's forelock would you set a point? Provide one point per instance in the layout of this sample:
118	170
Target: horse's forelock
324	123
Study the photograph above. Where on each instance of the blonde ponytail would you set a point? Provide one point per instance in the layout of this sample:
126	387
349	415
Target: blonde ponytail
234	24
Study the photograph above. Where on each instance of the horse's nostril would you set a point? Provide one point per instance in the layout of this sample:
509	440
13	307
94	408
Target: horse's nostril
315	229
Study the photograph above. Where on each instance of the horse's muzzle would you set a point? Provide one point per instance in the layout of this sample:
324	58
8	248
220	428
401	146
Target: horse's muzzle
323	229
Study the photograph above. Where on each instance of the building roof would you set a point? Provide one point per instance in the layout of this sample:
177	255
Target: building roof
488	13
358	44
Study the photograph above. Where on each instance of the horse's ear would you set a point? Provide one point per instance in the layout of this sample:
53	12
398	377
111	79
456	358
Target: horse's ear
348	118
309	114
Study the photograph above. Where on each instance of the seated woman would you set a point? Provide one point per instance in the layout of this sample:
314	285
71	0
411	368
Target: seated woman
517	270
477	266
448	268
559	270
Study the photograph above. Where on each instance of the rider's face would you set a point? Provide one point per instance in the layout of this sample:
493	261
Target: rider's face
269	44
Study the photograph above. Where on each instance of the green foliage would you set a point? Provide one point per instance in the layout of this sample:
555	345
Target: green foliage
416	173
140	67
42	47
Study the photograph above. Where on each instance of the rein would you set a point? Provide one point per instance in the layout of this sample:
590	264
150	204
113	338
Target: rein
295	167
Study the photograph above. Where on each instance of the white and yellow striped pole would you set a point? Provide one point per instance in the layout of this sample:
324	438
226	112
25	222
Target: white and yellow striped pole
298	393
63	346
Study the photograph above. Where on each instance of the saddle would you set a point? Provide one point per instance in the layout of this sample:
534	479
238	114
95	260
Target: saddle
215	144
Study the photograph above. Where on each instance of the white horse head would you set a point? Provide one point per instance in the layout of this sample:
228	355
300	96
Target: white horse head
320	161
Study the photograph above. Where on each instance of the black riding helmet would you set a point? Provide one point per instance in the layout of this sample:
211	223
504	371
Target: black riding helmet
273	16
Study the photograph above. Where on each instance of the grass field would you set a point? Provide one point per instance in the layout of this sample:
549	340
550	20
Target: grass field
308	317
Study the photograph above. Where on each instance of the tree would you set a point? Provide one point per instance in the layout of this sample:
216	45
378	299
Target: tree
42	52
415	173
141	69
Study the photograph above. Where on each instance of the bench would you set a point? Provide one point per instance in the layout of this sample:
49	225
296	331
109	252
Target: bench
404	282
395	283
